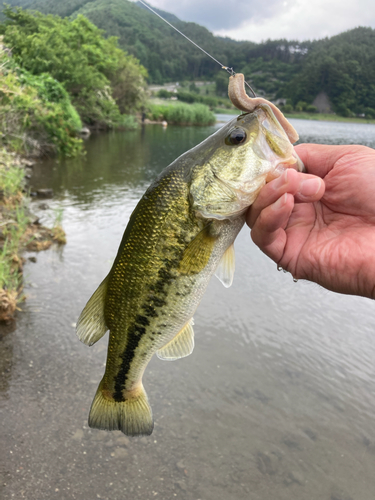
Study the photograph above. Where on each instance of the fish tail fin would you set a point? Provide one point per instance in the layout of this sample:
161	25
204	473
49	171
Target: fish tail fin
133	416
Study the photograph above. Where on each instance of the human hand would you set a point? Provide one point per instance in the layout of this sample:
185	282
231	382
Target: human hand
321	227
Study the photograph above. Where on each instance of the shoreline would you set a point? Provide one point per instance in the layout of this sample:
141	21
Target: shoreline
323	117
20	231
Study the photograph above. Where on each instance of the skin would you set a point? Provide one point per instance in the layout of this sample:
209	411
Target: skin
320	226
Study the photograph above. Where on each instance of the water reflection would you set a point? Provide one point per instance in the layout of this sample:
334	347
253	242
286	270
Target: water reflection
277	400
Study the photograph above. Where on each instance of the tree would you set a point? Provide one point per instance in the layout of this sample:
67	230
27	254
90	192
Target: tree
100	78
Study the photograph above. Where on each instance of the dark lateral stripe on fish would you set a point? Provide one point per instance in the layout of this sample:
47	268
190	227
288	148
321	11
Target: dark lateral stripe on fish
127	357
136	332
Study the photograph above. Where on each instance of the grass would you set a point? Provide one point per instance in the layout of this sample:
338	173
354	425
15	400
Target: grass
178	113
224	111
17	232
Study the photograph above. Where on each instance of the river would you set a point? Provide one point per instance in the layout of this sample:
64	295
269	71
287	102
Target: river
276	402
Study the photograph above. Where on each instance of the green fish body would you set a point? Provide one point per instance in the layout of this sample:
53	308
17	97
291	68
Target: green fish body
180	234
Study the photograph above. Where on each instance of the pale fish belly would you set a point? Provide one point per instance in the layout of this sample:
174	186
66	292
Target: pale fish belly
182	297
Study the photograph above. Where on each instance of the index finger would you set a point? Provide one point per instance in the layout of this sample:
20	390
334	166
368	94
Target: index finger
319	159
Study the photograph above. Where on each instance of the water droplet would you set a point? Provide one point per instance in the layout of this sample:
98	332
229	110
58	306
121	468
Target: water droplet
285	271
295	280
279	268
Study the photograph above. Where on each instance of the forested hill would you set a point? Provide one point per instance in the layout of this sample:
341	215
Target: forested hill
342	66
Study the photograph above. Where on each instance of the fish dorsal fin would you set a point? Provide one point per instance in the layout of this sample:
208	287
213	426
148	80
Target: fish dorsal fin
91	324
180	346
225	270
198	252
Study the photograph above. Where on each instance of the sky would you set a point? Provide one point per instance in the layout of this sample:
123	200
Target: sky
273	19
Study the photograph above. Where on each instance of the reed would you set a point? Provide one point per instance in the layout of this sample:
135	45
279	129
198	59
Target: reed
181	114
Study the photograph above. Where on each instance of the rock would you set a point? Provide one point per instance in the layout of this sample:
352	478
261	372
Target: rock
294	477
32	259
311	433
266	464
28	163
181	485
84	132
44	193
180	465
120	453
43	206
122	441
78	435
292	443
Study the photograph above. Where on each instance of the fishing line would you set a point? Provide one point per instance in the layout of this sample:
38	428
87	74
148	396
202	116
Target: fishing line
228	70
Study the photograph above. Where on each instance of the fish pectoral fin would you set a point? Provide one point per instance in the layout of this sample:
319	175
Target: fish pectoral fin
91	324
198	252
225	270
180	346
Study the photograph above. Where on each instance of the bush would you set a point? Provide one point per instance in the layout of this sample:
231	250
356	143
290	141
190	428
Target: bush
164	94
369	113
310	108
36	116
300	106
101	79
342	110
288	108
188	97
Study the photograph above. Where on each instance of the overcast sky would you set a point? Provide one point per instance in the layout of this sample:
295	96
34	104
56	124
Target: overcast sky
262	19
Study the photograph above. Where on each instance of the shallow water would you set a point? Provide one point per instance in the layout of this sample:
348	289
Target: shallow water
276	402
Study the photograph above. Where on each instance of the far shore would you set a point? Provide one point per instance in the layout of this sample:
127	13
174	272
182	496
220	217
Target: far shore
325	117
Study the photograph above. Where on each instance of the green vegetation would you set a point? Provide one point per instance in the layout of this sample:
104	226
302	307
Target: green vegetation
36	115
343	67
196	97
181	114
104	84
17	232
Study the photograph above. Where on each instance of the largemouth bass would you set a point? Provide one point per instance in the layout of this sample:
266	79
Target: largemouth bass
180	234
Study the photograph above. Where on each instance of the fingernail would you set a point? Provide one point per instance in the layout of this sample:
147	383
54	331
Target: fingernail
280	202
281	180
310	187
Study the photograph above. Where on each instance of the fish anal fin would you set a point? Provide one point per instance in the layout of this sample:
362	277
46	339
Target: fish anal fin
225	270
180	346
133	416
91	324
198	252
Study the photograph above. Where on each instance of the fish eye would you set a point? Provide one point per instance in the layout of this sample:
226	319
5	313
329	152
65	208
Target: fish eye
236	137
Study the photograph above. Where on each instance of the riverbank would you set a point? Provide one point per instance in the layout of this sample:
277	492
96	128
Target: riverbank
19	231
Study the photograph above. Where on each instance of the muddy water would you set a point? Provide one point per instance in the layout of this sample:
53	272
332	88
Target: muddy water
276	402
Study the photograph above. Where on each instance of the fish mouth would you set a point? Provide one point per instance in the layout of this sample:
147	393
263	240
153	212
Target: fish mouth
294	162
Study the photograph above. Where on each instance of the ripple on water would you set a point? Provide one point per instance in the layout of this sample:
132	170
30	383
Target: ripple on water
277	400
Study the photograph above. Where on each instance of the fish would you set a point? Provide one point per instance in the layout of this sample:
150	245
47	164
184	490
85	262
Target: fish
179	235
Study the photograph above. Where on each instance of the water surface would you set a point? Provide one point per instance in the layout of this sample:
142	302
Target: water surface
276	402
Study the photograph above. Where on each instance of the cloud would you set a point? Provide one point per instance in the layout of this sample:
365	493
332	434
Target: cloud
219	15
304	20
257	21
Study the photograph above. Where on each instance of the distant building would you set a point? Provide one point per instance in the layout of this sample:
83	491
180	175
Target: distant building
322	103
280	102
